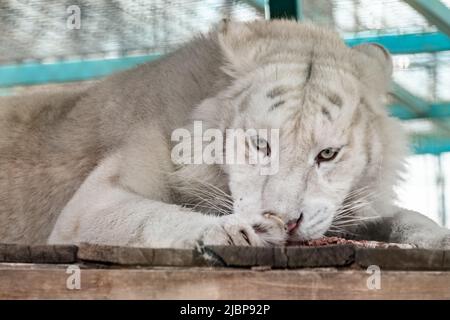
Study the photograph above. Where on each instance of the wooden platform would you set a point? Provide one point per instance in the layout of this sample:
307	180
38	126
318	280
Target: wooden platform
331	272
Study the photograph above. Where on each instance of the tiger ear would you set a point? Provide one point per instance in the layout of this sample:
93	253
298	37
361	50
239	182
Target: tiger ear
238	45
379	73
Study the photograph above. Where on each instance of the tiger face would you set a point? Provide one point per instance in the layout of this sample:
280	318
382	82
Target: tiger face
336	145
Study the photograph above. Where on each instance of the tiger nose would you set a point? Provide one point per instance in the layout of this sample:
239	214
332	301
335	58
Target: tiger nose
293	224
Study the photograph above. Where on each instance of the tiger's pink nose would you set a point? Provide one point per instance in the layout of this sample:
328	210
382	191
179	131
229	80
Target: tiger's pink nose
293	224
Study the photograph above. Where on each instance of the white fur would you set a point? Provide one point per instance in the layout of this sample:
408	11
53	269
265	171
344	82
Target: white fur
136	196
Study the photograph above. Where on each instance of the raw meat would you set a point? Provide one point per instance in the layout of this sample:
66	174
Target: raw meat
361	243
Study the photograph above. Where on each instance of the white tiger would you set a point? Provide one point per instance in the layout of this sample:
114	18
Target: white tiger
95	165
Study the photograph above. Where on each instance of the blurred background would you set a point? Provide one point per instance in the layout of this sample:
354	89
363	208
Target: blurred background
49	44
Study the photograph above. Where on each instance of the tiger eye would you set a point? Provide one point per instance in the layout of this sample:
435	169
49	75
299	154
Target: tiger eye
327	154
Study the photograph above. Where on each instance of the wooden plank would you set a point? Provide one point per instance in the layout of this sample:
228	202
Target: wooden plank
230	256
25	282
284	257
225	256
247	256
139	256
331	255
275	257
409	259
38	253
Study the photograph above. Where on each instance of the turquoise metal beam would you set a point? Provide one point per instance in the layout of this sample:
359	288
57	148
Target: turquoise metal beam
260	5
37	73
431	145
415	104
407	43
434	111
434	11
285	9
66	71
26	74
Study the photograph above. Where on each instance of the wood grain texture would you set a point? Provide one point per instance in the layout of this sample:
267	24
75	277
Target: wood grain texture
26	282
332	255
38	253
284	257
399	259
139	256
229	256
